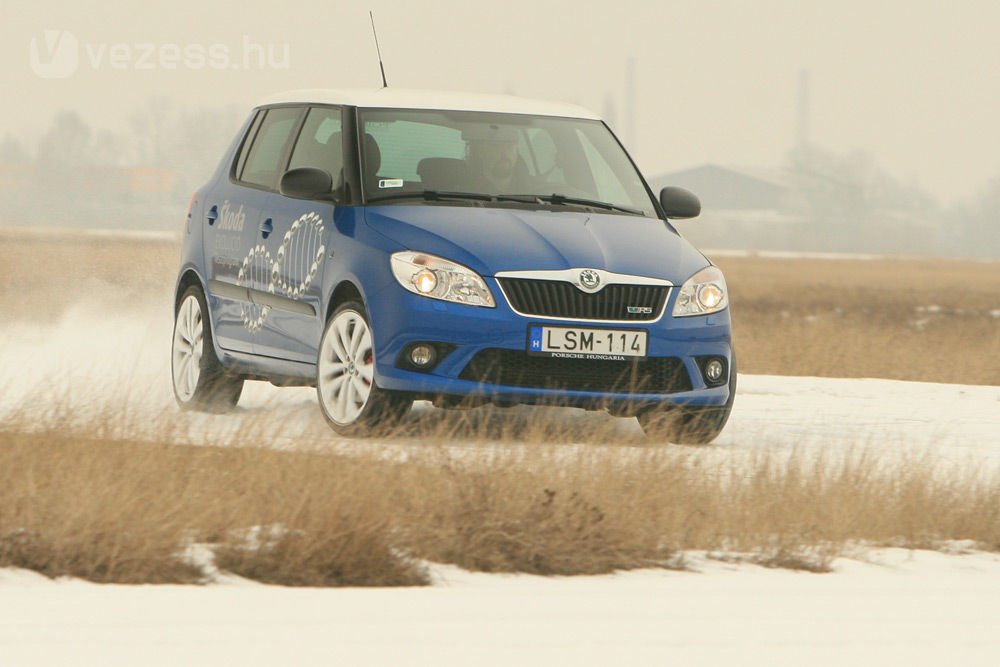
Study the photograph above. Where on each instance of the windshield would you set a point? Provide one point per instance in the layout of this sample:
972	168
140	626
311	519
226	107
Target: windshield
494	157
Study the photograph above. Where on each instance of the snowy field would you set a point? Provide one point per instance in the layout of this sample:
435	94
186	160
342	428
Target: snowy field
121	361
895	608
887	607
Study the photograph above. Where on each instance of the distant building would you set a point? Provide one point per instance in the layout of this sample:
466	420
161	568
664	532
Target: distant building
781	209
746	208
731	188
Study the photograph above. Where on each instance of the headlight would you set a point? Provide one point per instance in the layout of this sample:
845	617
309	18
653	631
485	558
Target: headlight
438	278
704	292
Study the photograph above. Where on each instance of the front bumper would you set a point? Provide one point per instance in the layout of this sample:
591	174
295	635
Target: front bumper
400	318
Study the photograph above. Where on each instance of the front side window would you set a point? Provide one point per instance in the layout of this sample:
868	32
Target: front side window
321	143
263	162
497	157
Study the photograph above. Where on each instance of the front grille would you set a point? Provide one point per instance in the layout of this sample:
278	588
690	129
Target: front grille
513	368
555	298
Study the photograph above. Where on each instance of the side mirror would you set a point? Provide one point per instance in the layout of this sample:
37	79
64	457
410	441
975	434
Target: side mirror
679	203
307	183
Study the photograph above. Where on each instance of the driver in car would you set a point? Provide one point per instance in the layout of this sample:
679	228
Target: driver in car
496	166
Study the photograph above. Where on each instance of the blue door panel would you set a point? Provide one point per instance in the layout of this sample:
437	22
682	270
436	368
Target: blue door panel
297	243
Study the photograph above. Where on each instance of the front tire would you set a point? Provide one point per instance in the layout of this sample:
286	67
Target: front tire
200	382
351	402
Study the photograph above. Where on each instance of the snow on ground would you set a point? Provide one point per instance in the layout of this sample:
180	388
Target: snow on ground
121	360
896	607
957	422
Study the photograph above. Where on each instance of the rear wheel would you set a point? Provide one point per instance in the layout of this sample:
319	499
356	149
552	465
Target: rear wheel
689	425
345	384
200	382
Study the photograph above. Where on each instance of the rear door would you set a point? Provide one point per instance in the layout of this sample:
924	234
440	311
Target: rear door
298	240
238	264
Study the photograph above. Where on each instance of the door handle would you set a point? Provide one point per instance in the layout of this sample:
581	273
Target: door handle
213	215
266	228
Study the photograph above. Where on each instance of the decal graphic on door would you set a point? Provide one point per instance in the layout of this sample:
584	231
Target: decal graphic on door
290	273
254	274
299	256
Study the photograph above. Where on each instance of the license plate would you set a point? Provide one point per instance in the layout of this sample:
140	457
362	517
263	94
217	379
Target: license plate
574	343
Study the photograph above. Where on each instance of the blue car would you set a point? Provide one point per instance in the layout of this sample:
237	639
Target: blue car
390	246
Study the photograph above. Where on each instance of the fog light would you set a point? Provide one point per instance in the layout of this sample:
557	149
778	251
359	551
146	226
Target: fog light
422	355
714	370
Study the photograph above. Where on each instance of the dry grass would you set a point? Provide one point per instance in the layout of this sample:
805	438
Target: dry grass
121	510
49	272
926	320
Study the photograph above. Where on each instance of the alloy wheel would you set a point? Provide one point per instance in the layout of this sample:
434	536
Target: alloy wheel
346	367
188	348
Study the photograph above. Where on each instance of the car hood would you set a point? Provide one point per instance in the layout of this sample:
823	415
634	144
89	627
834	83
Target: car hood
490	240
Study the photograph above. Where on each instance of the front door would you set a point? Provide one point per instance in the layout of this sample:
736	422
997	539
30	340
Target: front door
297	246
298	240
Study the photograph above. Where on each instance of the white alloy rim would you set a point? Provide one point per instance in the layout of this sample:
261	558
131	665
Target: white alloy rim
346	367
188	336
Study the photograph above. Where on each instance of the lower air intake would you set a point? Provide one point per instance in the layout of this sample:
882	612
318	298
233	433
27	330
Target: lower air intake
513	368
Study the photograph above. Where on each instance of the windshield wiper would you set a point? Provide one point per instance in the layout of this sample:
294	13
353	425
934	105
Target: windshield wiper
433	195
519	199
559	199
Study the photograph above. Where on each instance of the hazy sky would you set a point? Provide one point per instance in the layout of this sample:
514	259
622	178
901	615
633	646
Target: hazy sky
916	83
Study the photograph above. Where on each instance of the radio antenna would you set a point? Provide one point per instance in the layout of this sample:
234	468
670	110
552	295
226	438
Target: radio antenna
371	15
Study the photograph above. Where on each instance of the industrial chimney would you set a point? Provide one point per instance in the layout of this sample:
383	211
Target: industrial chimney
802	112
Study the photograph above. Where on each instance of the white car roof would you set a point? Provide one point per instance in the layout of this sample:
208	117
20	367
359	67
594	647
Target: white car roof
427	99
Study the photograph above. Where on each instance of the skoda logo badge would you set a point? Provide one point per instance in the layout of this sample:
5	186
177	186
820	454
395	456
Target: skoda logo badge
589	279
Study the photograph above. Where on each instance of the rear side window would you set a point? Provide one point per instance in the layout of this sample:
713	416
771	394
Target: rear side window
321	143
263	162
247	142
